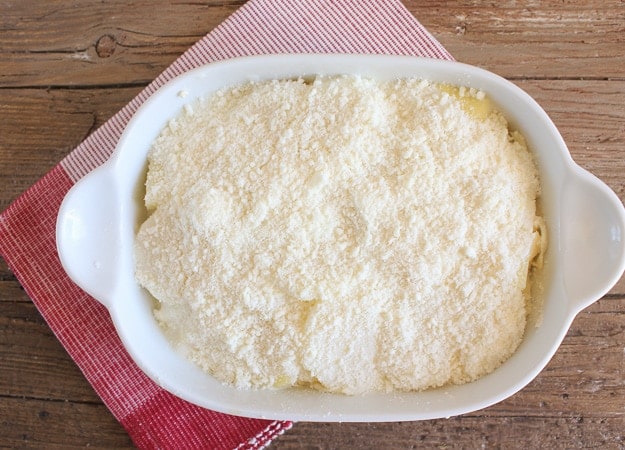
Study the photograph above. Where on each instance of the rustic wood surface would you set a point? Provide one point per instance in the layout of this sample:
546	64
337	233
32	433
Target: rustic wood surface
67	66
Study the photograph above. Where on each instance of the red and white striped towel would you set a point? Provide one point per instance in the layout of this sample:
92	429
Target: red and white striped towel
153	417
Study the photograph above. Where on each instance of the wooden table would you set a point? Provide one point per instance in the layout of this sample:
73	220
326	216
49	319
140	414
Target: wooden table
67	66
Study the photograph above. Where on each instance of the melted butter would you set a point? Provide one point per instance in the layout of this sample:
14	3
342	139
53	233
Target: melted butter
472	101
282	381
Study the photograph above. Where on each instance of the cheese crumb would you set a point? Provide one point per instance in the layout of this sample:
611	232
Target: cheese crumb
341	233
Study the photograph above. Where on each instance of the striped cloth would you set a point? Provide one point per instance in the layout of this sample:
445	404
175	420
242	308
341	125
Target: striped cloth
153	417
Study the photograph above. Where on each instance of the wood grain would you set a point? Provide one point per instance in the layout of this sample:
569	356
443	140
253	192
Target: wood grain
78	43
123	43
49	424
68	66
40	126
470	432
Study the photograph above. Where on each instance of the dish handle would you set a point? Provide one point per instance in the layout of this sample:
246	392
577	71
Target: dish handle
87	234
593	239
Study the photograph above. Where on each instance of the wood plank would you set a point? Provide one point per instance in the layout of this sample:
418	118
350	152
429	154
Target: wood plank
34	364
45	401
585	376
38	127
34	423
114	42
11	290
595	131
125	43
547	39
469	432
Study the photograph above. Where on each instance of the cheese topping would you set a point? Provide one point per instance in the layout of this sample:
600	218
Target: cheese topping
341	233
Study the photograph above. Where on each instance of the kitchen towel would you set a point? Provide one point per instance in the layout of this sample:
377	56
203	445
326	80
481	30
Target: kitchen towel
153	417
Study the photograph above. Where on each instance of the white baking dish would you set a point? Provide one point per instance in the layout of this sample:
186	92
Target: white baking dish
100	215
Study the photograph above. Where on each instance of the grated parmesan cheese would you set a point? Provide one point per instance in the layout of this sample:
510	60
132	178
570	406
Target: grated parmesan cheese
341	233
